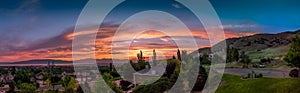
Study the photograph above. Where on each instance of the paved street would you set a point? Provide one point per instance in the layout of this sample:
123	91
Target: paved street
273	73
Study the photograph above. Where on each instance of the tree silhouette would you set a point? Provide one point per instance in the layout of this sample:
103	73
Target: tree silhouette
245	59
293	55
178	55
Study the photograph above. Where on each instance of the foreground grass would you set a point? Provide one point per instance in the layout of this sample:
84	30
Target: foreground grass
234	84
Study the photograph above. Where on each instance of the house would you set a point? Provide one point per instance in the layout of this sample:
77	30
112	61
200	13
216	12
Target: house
2	91
145	74
6	78
4	88
87	76
38	78
55	87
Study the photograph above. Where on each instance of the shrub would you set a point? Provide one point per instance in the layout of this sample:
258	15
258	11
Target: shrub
249	75
258	75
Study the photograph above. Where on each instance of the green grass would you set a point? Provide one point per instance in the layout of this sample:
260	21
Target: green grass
234	84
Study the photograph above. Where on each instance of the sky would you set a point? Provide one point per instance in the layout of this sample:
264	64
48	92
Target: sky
43	29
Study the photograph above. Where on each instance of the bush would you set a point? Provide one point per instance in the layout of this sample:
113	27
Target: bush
245	77
249	75
293	73
261	75
258	75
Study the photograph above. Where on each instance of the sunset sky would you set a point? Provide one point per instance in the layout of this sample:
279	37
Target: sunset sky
43	29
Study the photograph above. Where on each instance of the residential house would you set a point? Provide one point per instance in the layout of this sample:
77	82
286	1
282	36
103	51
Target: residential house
38	78
5	78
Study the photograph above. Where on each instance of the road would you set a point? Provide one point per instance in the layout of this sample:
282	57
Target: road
272	73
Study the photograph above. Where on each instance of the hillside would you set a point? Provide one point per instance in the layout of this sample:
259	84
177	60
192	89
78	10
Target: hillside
43	62
260	46
100	62
261	41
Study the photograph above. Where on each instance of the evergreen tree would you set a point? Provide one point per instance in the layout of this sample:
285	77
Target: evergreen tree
154	57
293	55
173	57
140	56
245	59
178	55
235	54
232	54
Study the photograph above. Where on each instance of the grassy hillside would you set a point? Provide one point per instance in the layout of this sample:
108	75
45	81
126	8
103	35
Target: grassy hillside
259	47
234	84
275	53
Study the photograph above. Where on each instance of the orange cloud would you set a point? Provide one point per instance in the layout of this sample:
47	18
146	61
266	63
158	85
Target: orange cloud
59	47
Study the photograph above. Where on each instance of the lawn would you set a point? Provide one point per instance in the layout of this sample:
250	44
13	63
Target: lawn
234	84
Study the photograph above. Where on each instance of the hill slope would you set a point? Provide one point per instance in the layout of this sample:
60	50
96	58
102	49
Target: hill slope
263	43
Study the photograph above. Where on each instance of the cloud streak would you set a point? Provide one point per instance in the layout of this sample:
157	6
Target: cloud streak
60	46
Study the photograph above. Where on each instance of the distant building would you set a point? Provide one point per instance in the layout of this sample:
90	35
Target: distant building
5	78
4	89
38	78
55	87
87	76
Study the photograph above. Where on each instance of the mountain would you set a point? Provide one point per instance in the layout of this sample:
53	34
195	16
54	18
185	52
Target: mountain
263	41
100	62
260	46
44	61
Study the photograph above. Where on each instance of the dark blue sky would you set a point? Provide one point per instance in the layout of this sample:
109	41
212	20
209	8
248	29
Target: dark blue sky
31	25
272	15
36	19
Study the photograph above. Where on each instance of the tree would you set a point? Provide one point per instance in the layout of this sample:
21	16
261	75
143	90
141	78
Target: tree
172	69
293	55
48	83
65	81
125	85
27	87
12	87
235	54
13	70
245	59
228	56
22	77
201	79
73	84
178	55
69	83
205	59
161	85
173	57
232	54
140	56
105	85
154	56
